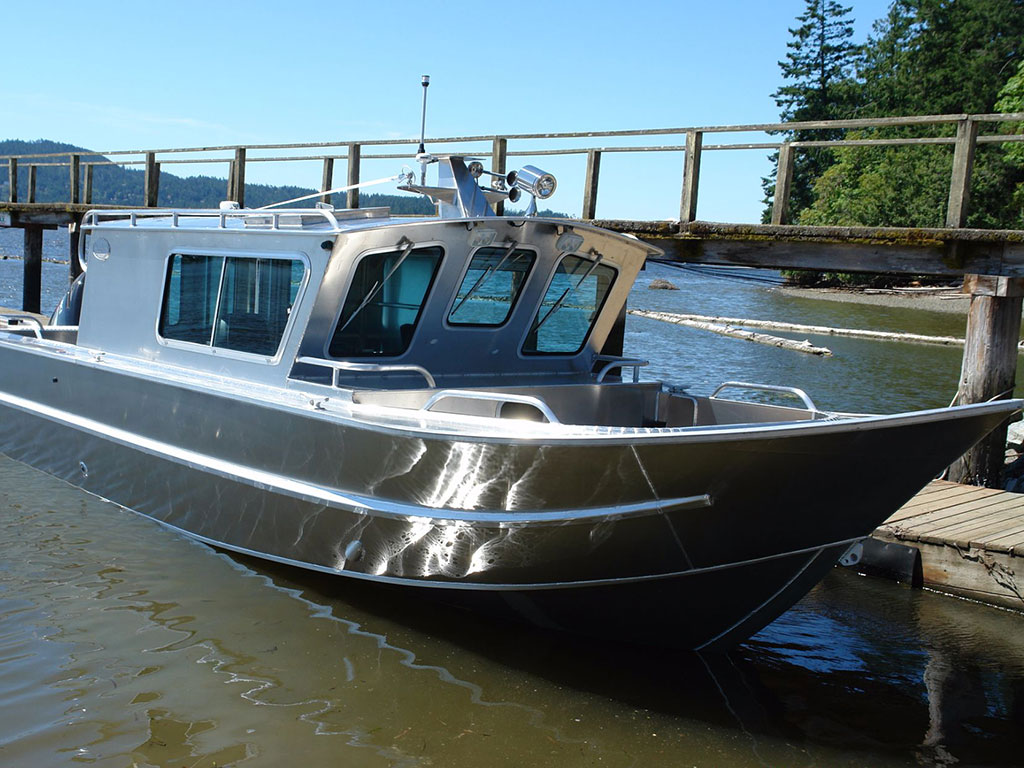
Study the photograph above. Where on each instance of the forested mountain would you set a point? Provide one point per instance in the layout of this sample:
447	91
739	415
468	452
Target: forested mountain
118	185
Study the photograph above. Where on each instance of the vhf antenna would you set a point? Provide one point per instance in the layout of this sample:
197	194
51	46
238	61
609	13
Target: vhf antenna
422	151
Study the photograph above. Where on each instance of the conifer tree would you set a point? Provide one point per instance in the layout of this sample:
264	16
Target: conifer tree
819	85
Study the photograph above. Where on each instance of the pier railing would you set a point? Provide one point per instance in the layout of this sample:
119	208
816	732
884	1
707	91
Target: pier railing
690	141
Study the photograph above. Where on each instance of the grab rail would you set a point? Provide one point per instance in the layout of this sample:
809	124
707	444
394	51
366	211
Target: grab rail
620	362
37	326
495	397
794	391
343	365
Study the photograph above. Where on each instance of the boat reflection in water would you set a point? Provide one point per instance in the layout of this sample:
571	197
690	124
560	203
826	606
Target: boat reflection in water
440	405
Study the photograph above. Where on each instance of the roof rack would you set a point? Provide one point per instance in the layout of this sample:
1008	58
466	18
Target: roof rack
294	218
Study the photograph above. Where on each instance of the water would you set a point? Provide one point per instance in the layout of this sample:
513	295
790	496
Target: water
122	643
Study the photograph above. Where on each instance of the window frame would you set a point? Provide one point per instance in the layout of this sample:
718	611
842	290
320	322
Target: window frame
229	253
599	310
350	276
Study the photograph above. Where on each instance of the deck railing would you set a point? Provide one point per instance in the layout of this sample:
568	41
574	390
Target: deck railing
690	141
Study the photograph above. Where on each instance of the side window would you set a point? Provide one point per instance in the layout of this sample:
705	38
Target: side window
384	303
237	303
190	298
571	305
491	286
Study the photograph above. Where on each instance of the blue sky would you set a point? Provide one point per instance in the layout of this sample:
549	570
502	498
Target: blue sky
130	75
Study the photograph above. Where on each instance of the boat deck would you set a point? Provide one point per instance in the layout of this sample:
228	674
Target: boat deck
971	540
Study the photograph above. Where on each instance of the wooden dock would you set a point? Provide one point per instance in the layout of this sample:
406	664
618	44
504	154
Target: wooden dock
970	540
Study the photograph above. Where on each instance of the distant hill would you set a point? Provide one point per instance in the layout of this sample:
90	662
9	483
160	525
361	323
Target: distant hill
117	185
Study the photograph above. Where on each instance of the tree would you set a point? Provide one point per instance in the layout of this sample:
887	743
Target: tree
1011	99
818	71
927	57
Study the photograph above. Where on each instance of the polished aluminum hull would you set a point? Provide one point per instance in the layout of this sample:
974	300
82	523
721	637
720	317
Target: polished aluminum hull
690	537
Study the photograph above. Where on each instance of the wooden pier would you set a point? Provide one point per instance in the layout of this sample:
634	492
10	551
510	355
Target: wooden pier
969	541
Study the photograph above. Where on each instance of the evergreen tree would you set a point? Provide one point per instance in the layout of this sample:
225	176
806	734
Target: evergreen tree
1011	99
818	71
928	57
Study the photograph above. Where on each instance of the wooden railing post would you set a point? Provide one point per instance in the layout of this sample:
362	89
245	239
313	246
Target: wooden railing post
590	183
499	157
31	184
237	189
87	193
152	180
12	173
352	196
691	177
960	180
327	180
31	285
76	178
783	183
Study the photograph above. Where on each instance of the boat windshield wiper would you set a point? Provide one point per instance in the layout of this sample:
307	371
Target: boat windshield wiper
567	292
487	273
379	285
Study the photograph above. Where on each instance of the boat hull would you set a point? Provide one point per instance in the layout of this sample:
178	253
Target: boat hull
689	538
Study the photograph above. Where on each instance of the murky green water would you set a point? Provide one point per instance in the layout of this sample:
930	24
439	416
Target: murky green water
123	644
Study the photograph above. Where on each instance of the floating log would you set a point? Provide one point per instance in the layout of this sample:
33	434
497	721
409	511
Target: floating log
736	333
820	330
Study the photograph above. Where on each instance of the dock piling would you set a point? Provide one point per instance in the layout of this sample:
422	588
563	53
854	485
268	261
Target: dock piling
31	286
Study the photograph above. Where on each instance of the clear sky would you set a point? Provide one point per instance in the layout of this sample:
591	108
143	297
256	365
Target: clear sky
138	75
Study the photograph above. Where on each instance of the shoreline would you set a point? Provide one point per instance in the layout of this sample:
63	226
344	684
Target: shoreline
952	302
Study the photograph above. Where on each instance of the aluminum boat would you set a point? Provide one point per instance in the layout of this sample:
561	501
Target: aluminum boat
442	404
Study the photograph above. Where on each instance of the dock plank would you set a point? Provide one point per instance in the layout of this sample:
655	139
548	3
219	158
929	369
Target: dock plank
954	511
939	498
1000	516
1011	538
970	515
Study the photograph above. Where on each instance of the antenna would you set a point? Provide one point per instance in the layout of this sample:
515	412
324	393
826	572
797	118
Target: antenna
422	151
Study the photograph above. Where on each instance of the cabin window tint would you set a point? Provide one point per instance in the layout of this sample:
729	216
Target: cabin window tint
491	286
236	303
571	305
384	303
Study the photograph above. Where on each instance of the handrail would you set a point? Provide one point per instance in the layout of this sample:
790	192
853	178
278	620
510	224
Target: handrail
612	362
794	391
344	365
37	326
268	219
496	397
855	123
